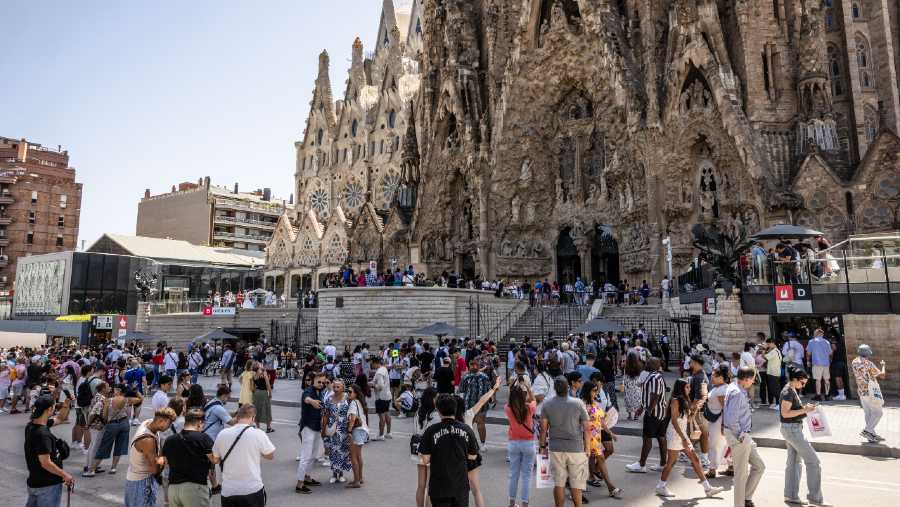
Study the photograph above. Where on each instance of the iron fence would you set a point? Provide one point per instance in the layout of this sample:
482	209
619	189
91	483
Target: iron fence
299	336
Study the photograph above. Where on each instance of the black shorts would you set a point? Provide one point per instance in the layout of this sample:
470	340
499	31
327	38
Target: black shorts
655	428
472	464
605	436
257	499
838	369
395	383
460	501
382	406
81	416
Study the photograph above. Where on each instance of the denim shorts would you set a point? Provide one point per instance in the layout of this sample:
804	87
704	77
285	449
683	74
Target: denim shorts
360	436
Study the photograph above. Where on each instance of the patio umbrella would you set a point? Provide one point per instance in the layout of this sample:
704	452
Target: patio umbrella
786	231
138	336
214	335
439	329
599	325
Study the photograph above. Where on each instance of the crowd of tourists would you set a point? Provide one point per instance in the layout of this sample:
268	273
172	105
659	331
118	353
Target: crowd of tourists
564	401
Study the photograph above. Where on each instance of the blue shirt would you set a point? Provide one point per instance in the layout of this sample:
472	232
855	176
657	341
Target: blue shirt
134	379
820	351
215	418
586	371
758	251
736	415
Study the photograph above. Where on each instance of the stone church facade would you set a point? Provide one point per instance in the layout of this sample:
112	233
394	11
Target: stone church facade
558	138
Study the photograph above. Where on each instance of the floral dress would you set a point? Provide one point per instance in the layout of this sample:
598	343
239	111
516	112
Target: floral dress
632	395
595	417
338	444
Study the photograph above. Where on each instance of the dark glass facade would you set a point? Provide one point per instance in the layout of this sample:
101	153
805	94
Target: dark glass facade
105	284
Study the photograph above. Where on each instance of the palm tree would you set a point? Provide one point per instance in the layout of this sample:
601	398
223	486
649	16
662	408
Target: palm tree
722	250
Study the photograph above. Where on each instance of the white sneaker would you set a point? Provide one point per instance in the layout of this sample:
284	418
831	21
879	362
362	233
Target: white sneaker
297	458
715	490
332	480
379	438
326	463
135	422
773	407
636	468
389	436
795	501
655	468
840	397
400	416
664	492
342	479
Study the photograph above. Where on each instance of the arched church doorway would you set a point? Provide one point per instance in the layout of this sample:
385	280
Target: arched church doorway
468	267
568	263
604	257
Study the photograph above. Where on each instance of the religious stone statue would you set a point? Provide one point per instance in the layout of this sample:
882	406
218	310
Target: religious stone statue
525	173
560	196
629	196
530	211
520	250
506	248
514	211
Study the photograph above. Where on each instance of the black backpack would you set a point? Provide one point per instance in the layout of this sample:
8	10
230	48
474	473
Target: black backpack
84	395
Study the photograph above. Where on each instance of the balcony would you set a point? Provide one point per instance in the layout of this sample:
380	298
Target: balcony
5	220
262	224
274	210
7	198
245	238
4	241
4	261
7	179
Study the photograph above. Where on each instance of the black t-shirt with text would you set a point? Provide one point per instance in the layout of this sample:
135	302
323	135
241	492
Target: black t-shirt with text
789	394
449	443
39	440
697	381
187	455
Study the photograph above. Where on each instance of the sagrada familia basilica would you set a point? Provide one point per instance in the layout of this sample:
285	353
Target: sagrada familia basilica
519	139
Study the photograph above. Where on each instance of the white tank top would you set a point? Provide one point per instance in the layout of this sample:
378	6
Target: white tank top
138	468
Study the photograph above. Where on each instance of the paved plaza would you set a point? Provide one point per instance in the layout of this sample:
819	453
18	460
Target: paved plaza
390	474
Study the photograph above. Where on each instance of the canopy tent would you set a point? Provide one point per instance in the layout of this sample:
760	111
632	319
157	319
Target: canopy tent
439	329
599	325
214	336
786	231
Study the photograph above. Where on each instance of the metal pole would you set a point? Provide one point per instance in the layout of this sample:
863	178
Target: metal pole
847	283
887	279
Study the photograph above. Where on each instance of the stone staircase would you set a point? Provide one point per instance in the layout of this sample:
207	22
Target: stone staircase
542	322
654	317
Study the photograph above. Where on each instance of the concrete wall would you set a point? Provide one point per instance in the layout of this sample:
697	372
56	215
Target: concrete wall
180	328
182	215
379	314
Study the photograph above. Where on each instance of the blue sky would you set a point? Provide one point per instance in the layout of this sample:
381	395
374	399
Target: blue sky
147	94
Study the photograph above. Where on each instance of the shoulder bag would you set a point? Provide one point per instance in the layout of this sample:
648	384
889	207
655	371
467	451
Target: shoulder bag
236	440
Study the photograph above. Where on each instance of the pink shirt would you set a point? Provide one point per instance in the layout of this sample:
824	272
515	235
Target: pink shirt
518	431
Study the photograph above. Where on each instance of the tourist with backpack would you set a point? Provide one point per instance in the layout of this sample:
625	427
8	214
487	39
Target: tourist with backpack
215	419
84	396
45	453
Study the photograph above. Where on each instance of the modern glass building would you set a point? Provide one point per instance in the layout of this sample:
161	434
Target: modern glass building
103	280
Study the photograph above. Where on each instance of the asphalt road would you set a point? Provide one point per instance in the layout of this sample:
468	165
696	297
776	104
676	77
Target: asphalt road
391	479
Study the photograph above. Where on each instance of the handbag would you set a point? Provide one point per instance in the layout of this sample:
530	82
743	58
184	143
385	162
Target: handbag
875	396
331	429
709	415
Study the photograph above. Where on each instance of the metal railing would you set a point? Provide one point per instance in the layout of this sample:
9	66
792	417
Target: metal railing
247	221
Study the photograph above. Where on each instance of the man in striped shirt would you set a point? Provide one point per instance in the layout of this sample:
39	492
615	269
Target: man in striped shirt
656	418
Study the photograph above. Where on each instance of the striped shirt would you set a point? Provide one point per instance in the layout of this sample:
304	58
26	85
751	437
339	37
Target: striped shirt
654	385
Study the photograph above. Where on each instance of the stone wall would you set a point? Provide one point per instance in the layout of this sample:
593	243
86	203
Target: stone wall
879	332
729	327
180	328
379	314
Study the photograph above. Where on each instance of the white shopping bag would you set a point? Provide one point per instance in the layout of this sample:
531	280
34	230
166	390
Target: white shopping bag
612	417
817	424
543	473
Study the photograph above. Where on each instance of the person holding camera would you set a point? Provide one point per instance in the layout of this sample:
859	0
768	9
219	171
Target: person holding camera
45	453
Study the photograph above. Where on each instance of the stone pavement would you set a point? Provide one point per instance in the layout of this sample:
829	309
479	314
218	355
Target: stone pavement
845	418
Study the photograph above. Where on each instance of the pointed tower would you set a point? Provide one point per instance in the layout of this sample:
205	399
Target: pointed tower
322	98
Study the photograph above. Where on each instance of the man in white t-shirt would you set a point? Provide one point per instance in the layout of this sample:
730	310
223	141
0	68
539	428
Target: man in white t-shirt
161	396
330	350
382	383
238	450
170	361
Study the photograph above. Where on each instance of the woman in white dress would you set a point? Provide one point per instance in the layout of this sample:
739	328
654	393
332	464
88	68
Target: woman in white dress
678	440
715	403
